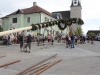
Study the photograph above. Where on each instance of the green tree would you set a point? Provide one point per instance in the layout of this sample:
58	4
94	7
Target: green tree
78	31
91	34
71	31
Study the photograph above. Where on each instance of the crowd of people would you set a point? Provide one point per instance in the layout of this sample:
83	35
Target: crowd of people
27	39
70	40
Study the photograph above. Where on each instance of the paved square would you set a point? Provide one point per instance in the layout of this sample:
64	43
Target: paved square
81	60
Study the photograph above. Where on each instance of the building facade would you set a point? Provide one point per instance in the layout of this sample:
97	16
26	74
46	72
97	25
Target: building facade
26	17
36	14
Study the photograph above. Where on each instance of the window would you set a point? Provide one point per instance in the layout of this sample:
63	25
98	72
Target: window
14	20
28	19
58	16
50	19
47	20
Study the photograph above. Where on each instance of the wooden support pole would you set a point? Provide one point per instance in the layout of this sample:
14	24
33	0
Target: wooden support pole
35	68
9	63
40	71
14	31
3	56
36	64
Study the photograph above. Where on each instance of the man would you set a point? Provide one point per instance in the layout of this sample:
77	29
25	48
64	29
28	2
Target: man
40	39
52	40
28	39
72	41
68	40
21	41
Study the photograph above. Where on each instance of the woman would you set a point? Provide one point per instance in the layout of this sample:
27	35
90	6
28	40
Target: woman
15	39
49	38
68	41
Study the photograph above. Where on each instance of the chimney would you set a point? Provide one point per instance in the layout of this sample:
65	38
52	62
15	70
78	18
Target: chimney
34	4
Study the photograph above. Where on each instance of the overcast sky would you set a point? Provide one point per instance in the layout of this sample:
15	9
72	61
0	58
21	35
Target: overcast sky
90	9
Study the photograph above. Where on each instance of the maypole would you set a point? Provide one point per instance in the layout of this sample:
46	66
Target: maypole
62	24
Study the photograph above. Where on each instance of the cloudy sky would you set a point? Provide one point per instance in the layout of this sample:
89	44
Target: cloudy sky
90	9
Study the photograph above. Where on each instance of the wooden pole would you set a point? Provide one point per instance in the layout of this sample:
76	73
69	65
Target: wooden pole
40	71
14	31
3	56
9	63
36	68
36	64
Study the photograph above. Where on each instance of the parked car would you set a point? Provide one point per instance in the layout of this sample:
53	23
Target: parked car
97	38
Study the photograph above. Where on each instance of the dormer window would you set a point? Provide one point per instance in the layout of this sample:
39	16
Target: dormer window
58	16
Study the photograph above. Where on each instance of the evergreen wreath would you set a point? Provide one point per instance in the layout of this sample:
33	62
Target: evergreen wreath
33	27
38	25
80	21
50	24
65	20
59	25
46	24
74	20
42	25
69	22
55	22
61	20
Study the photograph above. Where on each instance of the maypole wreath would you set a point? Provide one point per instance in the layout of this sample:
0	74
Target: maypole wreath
34	27
46	24
50	24
55	22
69	22
80	21
61	24
38	25
74	20
42	25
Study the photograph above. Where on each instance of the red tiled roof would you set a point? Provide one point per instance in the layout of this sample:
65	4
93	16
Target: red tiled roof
33	9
